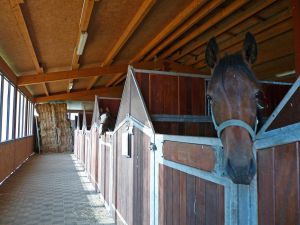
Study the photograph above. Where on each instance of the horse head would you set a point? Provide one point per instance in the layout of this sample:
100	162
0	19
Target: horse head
105	121
233	92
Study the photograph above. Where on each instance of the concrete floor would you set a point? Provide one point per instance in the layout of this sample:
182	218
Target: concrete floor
51	189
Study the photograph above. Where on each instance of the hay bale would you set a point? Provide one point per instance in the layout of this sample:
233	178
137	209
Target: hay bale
55	128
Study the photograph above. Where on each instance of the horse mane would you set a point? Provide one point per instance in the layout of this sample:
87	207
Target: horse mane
236	62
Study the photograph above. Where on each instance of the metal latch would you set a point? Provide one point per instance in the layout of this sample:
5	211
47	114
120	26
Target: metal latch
152	147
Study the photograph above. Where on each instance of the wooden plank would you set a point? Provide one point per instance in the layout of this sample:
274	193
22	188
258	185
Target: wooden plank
191	193
204	27
270	33
15	5
211	203
266	192
132	26
198	156
200	208
86	13
176	197
70	74
234	20
209	7
286	185
168	185
177	21
296	24
114	92
183	195
238	39
161	194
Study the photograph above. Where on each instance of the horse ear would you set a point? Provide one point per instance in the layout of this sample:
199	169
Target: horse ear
250	48
101	110
212	53
107	109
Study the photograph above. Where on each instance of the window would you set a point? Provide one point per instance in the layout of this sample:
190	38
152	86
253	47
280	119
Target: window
16	112
17	115
5	102
11	112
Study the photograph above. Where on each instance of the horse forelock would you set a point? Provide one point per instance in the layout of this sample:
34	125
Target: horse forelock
229	65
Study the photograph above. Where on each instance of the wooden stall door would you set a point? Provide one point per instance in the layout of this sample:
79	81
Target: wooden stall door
131	186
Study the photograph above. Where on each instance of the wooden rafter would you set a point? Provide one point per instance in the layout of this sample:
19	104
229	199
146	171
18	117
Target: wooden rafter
171	65
86	13
85	95
205	26
261	37
15	5
260	27
177	21
209	7
7	71
84	73
132	26
232	21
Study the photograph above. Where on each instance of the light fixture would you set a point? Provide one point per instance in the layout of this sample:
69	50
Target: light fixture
285	74
82	41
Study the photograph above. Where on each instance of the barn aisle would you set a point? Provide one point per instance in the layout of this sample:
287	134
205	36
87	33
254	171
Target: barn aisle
51	189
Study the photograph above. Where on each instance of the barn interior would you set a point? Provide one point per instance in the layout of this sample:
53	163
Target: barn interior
57	58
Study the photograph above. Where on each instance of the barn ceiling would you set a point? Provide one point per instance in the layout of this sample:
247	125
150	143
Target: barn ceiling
38	40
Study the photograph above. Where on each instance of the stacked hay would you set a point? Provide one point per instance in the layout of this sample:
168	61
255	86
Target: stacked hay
55	129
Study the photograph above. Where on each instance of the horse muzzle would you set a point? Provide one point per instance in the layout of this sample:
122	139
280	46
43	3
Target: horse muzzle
241	174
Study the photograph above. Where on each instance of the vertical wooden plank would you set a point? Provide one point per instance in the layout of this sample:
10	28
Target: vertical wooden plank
168	195
183	195
190	191
176	197
201	202
211	203
265	187
221	207
161	195
286	187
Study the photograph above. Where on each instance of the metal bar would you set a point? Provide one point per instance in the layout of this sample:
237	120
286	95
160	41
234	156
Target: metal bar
278	109
192	140
285	135
107	98
171	73
180	118
274	82
14	114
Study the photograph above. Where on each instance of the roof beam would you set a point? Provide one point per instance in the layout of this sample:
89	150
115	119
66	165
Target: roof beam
205	26
86	13
15	5
84	73
132	26
71	74
255	30
8	73
209	7
177	21
85	95
234	20
274	31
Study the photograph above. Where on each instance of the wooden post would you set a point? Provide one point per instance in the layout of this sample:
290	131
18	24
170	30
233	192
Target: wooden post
296	24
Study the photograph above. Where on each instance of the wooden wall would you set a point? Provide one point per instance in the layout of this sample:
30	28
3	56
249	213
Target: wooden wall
278	185
131	180
189	200
177	96
13	153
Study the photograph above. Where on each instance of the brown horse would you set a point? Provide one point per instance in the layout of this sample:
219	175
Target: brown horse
233	92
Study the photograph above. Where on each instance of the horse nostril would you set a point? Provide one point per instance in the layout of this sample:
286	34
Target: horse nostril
252	168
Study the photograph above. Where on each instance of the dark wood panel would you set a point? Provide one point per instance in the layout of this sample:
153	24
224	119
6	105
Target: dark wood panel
198	156
290	114
189	200
278	185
